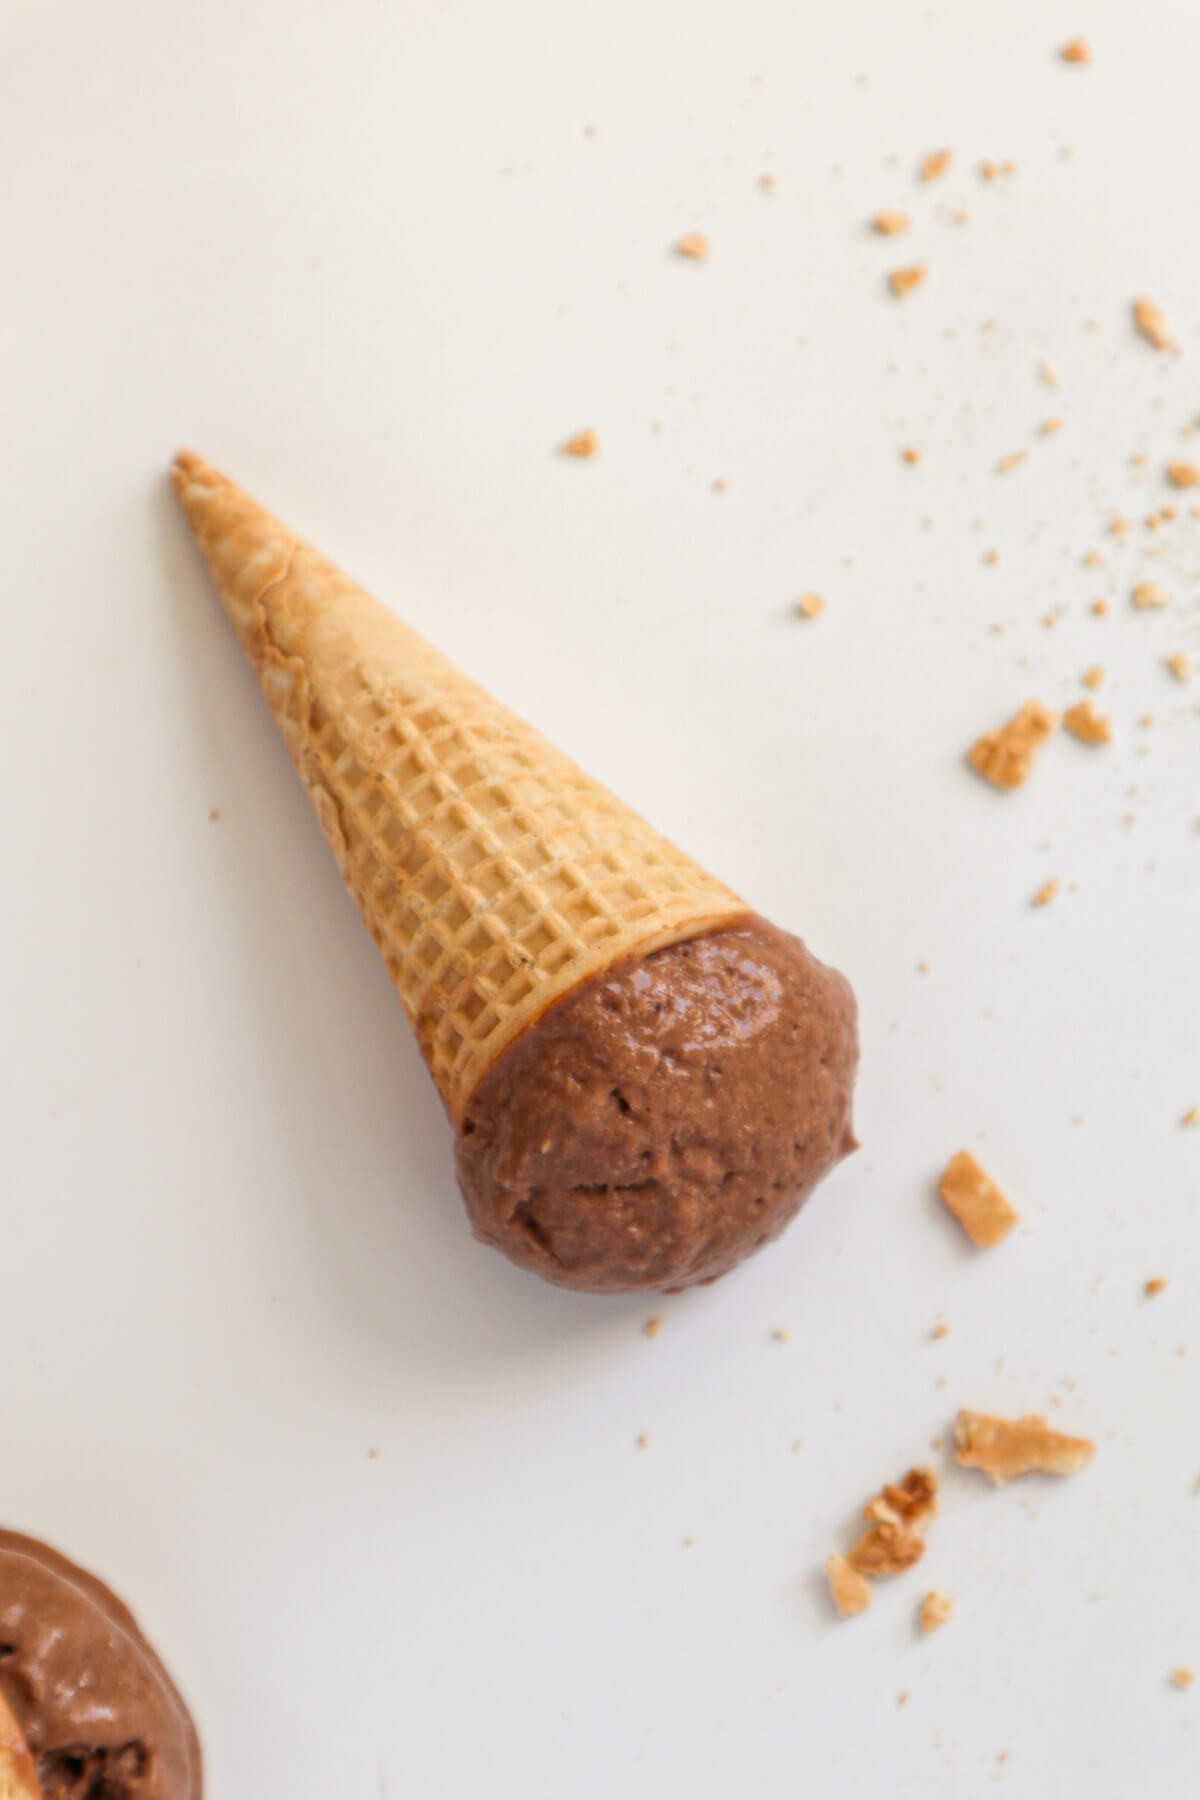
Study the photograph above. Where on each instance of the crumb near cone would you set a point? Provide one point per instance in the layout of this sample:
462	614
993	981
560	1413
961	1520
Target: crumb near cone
934	1611
976	1202
851	1593
1006	757
1006	1449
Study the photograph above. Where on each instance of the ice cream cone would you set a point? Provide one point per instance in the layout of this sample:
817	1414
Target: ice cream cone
18	1778
493	875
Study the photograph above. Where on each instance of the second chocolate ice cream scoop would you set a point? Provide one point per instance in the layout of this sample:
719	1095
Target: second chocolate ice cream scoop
645	1078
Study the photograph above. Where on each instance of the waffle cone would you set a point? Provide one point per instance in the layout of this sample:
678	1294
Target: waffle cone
492	873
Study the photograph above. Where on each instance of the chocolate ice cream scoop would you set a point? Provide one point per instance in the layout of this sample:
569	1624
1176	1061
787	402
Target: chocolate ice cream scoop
668	1117
646	1078
100	1715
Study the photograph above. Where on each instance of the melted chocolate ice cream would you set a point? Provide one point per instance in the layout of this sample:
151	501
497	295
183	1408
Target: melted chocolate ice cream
100	1714
666	1118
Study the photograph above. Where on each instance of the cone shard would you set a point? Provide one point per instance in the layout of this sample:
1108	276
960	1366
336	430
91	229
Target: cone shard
491	872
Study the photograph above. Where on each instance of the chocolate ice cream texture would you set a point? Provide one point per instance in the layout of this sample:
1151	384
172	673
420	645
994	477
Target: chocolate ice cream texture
645	1077
100	1716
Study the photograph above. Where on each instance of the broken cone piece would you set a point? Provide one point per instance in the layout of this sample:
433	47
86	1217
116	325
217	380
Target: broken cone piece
646	1077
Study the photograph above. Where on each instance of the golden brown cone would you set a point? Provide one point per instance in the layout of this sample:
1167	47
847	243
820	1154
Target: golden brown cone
18	1777
491	872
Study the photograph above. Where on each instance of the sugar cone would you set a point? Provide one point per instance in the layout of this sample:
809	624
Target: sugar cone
18	1778
491	872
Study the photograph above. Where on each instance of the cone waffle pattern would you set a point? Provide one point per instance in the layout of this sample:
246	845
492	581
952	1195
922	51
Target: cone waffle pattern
491	872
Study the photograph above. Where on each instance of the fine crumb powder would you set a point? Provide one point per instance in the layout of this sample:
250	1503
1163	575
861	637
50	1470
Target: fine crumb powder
903	281
851	1593
583	444
1157	1284
1152	323
1076	50
889	224
1183	474
1046	892
1182	1677
1093	677
1147	595
810	605
1180	664
1006	757
1005	1449
693	245
935	1610
1087	725
976	1202
934	166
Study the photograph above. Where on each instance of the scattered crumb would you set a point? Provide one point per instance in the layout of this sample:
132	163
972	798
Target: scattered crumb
1099	608
902	1698
1182	1677
934	165
1087	725
1180	665
1005	757
1007	1448
653	1326
1118	526
1048	427
1146	721
766	182
1045	893
693	245
1076	50
910	456
583	443
1191	1116
991	558
1157	1284
1049	374
902	281
910	1502
890	224
642	1441
1166	512
923	966
1093	677
940	1330
810	605
1093	559
1151	321
1138	460
1012	461
886	1549
851	1594
372	1456
1148	594
976	1202
935	1610
720	485
782	1335
213	815
1183	474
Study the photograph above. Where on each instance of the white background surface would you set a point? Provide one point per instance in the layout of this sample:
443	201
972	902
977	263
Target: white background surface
364	257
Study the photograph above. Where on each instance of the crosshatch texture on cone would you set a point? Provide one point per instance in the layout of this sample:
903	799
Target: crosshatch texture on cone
492	873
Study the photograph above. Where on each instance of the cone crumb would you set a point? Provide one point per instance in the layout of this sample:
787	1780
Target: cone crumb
1147	596
1076	50
903	281
935	1610
1156	1285
910	1502
934	165
1006	1449
1183	474
1046	893
1006	757
910	456
1191	1117
1048	427
642	1441
1013	460
1098	608
851	1593
1087	725
973	1198
940	1330
810	605
1093	677
890	224
582	444
693	246
1183	1676
886	1549
1049	374
652	1327
1151	322
1180	665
